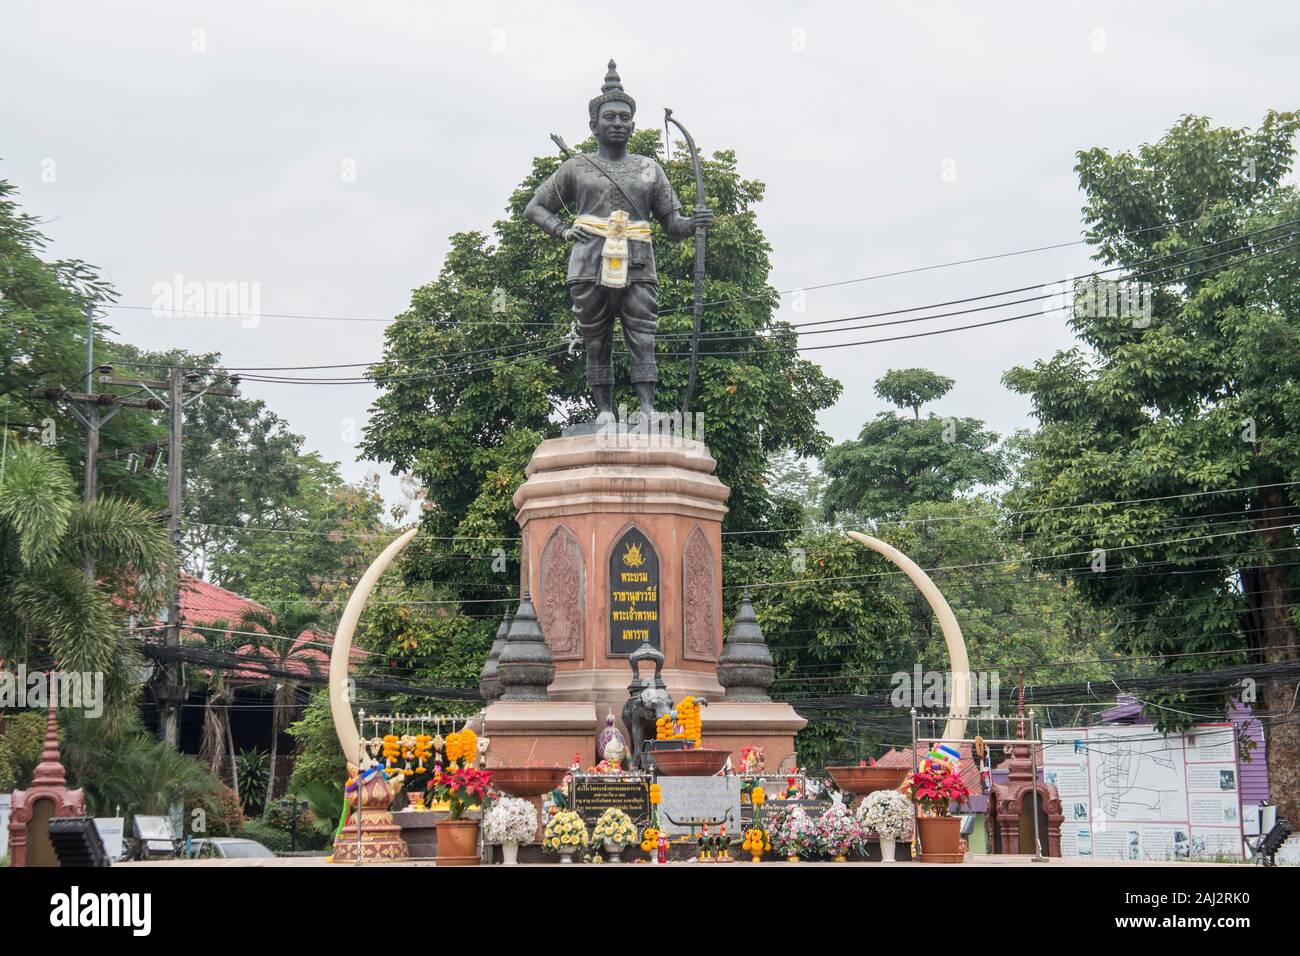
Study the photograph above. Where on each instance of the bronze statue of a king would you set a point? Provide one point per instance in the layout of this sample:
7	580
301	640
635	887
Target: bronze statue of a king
611	196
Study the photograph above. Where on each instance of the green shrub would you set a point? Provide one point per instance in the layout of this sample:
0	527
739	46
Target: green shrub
225	815
273	838
24	734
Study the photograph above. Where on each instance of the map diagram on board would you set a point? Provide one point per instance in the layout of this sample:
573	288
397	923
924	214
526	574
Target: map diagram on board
1130	792
1135	779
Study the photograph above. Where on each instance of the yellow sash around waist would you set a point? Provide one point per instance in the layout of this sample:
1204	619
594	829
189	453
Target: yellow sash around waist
616	231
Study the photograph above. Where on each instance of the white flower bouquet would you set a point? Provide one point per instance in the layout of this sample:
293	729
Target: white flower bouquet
510	820
887	813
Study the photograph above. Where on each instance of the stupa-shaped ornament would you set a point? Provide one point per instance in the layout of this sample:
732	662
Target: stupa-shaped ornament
745	668
489	685
525	668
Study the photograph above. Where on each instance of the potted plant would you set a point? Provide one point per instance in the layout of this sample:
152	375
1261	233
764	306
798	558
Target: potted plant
457	836
615	831
794	834
510	821
565	835
838	832
934	788
889	815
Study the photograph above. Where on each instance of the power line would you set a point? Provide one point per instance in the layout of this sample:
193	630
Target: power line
802	289
534	352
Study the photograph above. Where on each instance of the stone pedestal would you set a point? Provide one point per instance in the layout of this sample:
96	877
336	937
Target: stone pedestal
771	725
541	733
622	533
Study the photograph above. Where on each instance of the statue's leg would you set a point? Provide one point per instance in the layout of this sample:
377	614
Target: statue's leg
639	311
591	303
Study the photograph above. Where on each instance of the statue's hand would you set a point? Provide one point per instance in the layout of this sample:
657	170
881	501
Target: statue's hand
577	234
702	218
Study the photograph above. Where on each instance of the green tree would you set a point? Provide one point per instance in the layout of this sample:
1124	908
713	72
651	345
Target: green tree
51	613
43	328
832	629
1013	616
1144	435
912	388
896	461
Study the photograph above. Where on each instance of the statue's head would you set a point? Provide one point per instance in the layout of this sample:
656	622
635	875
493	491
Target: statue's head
612	112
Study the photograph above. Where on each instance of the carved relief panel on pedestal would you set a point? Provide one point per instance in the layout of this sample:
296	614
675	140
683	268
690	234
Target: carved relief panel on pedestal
699	599
562	590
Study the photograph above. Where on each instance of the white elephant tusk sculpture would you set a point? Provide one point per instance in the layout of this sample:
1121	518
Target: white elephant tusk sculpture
341	654
959	706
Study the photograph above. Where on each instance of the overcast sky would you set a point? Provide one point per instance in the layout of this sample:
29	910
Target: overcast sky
322	153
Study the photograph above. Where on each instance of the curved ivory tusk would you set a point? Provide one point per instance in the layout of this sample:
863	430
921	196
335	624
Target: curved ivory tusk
341	653
959	706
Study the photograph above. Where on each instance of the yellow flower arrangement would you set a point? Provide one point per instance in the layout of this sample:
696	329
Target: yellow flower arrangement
656	795
453	749
758	796
615	826
756	842
563	830
650	839
469	746
688	717
392	748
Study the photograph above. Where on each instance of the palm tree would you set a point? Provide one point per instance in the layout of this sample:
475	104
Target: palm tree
51	613
218	742
279	647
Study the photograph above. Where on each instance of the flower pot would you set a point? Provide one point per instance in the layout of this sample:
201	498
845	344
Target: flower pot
940	839
566	853
510	853
886	849
458	843
841	858
794	858
614	851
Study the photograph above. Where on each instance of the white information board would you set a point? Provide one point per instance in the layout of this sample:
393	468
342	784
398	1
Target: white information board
1131	793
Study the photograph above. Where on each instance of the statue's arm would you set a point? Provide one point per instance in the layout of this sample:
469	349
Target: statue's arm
668	211
545	218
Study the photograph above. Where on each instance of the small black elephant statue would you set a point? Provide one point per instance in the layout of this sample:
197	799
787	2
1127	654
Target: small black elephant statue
647	701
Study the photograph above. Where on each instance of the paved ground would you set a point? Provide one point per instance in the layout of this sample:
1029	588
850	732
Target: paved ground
973	860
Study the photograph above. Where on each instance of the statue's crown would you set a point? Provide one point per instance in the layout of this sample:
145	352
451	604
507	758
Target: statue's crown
611	89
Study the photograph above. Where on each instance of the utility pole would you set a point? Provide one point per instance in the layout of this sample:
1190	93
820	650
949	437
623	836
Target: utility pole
173	395
180	389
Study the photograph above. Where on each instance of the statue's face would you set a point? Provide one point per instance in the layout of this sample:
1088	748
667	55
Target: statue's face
613	124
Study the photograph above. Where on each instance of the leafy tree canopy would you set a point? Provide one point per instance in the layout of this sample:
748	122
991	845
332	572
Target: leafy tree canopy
1148	428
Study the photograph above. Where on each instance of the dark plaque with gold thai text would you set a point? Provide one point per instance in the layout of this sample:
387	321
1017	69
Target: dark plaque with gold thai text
633	594
593	795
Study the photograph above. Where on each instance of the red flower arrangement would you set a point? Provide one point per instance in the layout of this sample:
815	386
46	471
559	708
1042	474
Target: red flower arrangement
461	789
935	789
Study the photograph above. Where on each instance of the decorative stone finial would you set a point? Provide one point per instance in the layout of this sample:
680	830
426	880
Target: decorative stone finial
489	685
745	668
525	668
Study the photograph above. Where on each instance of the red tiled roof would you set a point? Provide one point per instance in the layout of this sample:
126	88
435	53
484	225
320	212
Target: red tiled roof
202	604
